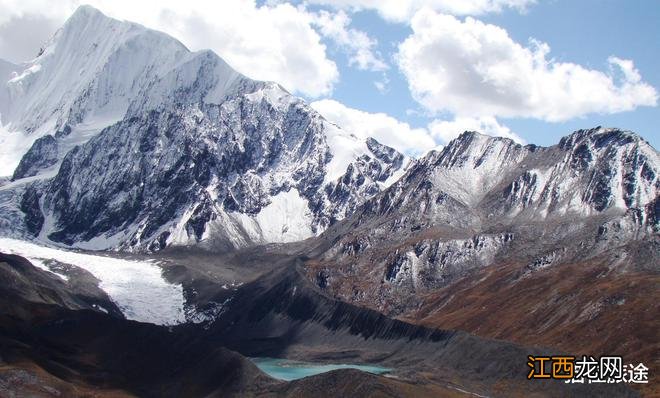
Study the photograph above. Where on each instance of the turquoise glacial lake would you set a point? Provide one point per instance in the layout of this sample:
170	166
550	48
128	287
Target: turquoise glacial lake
285	369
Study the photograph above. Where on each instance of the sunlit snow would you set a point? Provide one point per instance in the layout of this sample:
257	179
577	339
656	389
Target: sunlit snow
13	144
286	219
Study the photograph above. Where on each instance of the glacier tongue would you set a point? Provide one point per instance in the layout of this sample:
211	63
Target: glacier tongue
137	287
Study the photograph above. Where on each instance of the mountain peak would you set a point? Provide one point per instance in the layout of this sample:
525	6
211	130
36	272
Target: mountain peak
86	11
468	136
471	140
92	70
601	137
211	155
89	20
471	144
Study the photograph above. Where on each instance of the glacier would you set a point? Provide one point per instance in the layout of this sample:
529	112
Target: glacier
137	287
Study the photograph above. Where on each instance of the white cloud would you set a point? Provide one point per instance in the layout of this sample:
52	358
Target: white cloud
403	10
474	69
383	85
400	135
447	130
270	42
359	46
382	127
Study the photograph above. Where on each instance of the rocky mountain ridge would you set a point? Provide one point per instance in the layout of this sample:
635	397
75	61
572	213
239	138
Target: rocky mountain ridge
484	201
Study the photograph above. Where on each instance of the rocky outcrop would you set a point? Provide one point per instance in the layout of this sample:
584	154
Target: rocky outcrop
42	155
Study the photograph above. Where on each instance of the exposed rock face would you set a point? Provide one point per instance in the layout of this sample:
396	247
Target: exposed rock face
41	155
151	146
431	262
34	219
589	172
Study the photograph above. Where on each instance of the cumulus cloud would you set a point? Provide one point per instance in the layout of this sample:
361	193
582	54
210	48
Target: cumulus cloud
382	127
403	10
447	130
473	69
359	46
268	42
400	135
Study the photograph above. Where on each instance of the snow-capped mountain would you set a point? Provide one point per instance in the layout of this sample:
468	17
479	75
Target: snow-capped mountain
484	201
136	142
84	79
478	180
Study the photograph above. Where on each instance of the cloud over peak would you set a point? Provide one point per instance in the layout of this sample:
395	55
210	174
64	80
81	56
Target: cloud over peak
382	127
475	69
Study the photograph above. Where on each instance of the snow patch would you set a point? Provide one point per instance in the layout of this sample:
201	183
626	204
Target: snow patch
345	148
41	264
179	234
13	144
27	72
397	174
273	94
286	219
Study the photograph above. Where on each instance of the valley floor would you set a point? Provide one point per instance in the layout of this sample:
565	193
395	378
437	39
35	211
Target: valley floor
58	339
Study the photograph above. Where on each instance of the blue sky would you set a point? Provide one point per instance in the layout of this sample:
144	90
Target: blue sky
585	32
531	70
